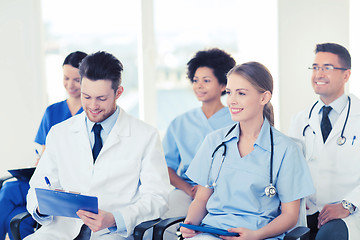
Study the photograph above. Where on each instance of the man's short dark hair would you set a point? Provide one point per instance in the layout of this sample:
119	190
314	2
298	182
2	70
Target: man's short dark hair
102	66
340	51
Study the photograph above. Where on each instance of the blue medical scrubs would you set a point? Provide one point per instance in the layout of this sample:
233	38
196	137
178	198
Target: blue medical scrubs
54	114
239	198
13	194
185	135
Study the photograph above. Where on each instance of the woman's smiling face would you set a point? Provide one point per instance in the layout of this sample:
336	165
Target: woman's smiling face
245	102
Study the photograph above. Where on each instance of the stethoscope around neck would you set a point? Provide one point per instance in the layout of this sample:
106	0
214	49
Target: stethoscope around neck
342	139
270	190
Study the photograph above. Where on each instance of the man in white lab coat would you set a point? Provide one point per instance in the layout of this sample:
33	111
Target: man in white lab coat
330	130
129	174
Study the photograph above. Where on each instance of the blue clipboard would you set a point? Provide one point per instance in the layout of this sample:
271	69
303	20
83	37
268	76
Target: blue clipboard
66	204
22	174
212	230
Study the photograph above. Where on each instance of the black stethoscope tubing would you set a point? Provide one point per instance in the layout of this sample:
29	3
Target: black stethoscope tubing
343	129
312	108
223	143
271	156
269	190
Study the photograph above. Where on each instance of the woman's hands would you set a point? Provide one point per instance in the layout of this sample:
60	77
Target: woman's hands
245	234
192	191
179	183
188	233
197	210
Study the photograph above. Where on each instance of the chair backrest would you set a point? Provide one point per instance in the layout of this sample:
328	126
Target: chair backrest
4	179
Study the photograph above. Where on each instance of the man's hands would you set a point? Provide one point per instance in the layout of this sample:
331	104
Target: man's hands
97	222
330	212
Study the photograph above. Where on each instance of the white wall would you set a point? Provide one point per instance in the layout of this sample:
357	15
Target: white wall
22	81
354	83
303	24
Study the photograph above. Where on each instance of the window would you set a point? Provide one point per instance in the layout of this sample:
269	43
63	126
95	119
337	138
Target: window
184	27
91	26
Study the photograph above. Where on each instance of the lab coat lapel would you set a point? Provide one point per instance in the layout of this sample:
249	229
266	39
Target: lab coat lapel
314	121
339	124
119	130
355	106
80	133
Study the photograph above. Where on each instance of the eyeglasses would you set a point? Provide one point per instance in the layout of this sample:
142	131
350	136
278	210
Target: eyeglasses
326	68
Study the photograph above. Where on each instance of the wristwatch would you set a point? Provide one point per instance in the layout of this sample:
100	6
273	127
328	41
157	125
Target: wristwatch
348	205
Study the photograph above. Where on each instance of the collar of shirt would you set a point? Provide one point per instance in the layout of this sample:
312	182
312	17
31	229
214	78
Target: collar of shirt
234	133
337	107
106	125
263	140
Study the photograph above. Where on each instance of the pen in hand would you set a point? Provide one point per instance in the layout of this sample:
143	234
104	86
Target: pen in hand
47	182
37	153
56	189
38	157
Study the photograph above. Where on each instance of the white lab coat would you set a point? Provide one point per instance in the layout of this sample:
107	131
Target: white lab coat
335	169
129	176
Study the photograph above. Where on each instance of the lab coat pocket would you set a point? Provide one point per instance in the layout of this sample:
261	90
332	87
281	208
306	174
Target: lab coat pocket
351	151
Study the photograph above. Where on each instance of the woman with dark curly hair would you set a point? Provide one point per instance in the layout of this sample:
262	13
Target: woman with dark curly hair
207	73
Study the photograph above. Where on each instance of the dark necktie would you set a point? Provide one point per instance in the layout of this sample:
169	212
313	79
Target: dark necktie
325	122
98	143
84	233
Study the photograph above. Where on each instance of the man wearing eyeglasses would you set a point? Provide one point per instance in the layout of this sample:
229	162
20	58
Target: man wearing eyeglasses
330	131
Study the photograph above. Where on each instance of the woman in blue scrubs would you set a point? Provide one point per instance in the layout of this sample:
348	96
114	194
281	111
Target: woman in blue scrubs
207	73
13	193
231	193
63	110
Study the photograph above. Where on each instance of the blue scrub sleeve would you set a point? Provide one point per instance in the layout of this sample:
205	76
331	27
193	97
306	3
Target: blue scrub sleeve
171	150
294	180
198	170
43	129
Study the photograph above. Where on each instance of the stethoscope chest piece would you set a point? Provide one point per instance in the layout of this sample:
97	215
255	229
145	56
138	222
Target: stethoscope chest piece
341	140
270	191
211	185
